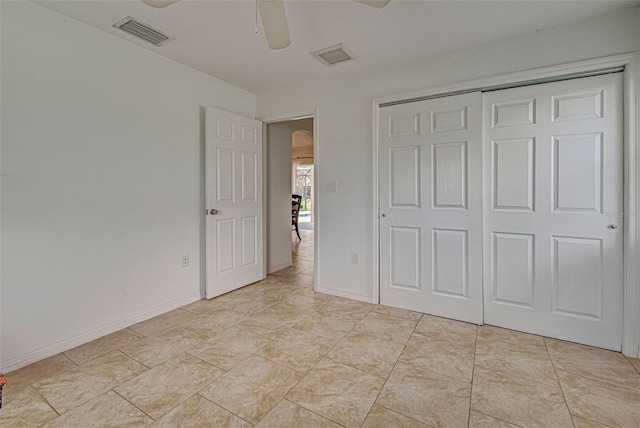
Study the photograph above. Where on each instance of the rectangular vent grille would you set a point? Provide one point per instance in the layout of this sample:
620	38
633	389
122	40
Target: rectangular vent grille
334	55
142	31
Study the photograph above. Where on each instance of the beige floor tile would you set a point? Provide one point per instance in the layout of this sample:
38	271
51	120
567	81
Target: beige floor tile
107	410
200	412
162	322
270	323
203	305
297	350
165	386
214	322
291	270
281	285
446	358
155	349
594	363
69	389
247	290
302	303
279	291
296	312
327	324
37	371
222	300
337	392
229	348
601	401
426	396
381	417
300	281
288	414
579	422
303	264
635	363
397	312
478	420
318	297
252	388
103	345
523	361
445	329
386	327
505	335
367	353
22	408
518	401
252	304
349	308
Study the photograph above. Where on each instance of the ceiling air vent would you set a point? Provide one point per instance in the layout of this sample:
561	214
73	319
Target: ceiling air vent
142	31
334	55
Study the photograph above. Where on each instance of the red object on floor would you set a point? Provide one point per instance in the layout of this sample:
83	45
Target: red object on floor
3	381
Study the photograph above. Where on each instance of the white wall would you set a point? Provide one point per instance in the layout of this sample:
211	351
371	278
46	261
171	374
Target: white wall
344	139
278	153
102	151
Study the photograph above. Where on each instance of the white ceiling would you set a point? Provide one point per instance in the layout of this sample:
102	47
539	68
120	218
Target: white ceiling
218	37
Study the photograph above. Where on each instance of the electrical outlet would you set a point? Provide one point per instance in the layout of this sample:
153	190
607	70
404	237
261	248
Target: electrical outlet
354	258
185	261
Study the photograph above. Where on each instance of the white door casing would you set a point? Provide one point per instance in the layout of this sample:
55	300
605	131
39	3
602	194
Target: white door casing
233	176
431	206
553	186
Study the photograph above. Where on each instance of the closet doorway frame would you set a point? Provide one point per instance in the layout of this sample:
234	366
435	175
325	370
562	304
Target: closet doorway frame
630	65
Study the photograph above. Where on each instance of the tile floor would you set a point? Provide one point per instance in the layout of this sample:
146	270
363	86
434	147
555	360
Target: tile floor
277	354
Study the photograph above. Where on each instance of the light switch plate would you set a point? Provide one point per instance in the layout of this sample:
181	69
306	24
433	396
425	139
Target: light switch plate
332	187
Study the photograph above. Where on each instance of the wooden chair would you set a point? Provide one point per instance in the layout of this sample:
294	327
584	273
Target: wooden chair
296	200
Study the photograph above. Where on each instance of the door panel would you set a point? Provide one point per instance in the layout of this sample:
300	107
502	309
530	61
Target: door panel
233	169
430	199
577	276
404	175
512	269
405	249
449	175
577	173
513	159
552	172
449	265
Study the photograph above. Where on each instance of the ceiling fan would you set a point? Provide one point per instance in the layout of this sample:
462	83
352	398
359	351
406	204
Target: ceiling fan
274	19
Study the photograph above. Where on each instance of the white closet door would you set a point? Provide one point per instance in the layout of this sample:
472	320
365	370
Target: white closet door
431	206
233	170
553	185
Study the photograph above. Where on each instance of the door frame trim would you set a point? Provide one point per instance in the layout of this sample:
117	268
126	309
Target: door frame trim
285	117
631	161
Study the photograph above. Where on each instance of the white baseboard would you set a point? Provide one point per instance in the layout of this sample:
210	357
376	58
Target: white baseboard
272	269
66	344
344	293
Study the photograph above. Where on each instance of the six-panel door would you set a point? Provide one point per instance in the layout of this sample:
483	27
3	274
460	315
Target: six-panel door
553	185
233	169
431	207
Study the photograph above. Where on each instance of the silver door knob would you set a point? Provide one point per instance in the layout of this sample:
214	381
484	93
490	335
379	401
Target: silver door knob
213	211
384	215
613	226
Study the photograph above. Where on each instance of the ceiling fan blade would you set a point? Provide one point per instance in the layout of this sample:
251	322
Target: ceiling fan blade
159	3
375	3
274	21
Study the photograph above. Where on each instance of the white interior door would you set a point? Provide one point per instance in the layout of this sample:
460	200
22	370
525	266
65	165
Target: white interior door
234	221
553	199
431	206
